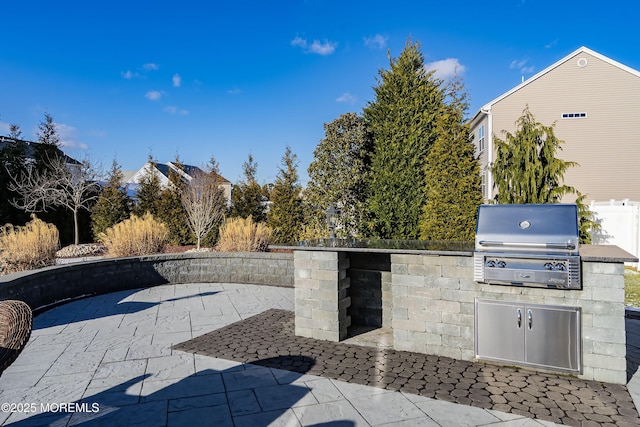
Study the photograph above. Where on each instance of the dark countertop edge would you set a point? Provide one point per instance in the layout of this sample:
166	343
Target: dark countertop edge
605	253
588	253
371	250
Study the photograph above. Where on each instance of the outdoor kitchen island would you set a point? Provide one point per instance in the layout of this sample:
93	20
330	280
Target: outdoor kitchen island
426	295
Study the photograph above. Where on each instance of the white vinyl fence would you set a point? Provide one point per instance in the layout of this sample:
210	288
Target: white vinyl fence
620	222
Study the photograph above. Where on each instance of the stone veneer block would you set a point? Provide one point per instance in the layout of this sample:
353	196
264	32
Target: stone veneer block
429	302
323	313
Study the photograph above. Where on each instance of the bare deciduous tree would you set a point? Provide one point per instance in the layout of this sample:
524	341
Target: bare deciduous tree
72	186
204	202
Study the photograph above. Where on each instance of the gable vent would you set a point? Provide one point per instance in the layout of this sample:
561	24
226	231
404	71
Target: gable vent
574	115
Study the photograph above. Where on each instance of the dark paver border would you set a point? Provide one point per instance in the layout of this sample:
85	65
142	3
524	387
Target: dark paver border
268	339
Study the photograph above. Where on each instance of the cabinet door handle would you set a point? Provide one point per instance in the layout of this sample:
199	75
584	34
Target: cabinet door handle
519	318
530	318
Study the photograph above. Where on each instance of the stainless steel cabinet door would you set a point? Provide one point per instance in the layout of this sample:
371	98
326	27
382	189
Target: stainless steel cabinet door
500	331
552	337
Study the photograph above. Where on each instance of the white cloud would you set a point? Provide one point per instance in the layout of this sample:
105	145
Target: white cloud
177	80
151	67
520	64
347	98
551	44
517	63
153	95
175	110
68	137
4	128
234	91
326	48
127	74
445	68
376	42
300	42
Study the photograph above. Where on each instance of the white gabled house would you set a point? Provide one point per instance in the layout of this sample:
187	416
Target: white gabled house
162	172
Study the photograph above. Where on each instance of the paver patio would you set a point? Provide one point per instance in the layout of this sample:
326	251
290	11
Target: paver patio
115	360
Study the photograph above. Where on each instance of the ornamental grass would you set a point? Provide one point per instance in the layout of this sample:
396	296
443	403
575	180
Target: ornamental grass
243	235
135	236
28	247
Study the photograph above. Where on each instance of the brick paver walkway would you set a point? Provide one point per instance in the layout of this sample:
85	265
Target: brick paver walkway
268	339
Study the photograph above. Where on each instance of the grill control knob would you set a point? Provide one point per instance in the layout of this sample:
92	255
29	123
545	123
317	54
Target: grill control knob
560	267
491	264
502	264
548	266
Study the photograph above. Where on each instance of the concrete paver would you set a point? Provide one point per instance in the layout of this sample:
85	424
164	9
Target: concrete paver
108	360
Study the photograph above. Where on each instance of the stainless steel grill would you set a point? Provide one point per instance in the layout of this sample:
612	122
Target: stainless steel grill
528	245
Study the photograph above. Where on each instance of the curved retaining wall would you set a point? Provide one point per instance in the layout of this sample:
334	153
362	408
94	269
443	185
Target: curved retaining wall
48	286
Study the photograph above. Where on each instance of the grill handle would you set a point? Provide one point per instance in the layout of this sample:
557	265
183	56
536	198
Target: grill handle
567	245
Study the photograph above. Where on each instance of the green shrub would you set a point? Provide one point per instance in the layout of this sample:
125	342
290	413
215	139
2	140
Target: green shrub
135	236
243	235
31	246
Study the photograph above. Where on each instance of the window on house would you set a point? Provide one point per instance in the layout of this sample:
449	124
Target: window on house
481	139
574	115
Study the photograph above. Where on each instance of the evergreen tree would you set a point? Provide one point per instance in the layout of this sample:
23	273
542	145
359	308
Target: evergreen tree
402	120
12	167
526	169
171	211
338	174
14	131
285	216
113	205
148	192
46	155
453	191
47	150
246	197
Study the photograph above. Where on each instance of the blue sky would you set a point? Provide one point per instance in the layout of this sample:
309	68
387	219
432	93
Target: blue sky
123	79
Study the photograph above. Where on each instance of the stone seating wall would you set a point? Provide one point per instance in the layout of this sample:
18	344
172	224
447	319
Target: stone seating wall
49	286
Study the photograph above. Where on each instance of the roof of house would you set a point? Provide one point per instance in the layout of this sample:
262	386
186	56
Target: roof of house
30	146
166	168
550	68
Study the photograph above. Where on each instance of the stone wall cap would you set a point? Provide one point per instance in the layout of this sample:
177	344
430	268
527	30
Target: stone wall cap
605	253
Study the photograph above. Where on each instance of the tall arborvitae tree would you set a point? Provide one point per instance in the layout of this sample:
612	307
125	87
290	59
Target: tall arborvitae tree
113	205
338	175
148	192
402	120
526	169
285	216
171	210
453	191
246	197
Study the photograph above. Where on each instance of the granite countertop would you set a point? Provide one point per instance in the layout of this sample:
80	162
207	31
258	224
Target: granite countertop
605	253
589	253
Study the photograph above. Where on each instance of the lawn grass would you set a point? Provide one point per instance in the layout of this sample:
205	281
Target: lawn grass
632	287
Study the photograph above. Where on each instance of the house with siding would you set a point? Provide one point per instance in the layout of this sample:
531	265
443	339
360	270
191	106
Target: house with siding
594	102
163	170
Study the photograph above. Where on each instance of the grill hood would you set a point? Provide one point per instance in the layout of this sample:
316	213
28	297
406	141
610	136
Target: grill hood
532	228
